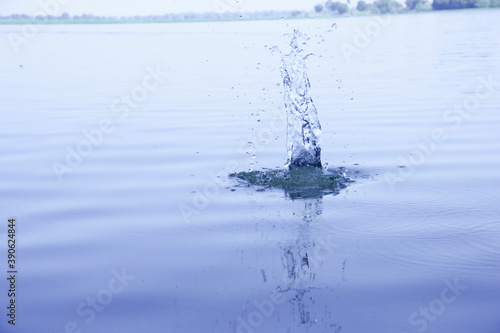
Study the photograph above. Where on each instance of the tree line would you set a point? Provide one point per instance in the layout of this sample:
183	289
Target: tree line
330	6
392	6
167	17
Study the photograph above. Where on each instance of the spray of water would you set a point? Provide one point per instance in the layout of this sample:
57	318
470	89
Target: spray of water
304	129
304	176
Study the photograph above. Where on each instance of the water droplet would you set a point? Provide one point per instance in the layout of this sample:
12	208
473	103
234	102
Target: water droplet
334	26
250	144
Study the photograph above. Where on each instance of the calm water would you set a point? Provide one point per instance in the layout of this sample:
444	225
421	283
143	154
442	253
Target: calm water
141	231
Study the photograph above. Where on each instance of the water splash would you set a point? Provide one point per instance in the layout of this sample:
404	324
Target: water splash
304	177
297	183
304	129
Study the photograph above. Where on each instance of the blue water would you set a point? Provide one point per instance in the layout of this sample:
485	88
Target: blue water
144	232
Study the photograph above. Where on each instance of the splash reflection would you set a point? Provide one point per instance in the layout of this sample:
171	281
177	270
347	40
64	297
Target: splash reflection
301	257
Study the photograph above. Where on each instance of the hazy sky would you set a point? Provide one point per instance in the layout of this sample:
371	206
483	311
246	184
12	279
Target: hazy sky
146	7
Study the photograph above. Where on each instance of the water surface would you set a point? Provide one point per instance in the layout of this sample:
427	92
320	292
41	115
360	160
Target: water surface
153	199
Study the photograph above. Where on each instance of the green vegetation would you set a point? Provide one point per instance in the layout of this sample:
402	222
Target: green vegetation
336	6
362	6
463	4
377	7
418	5
318	8
325	9
386	7
394	7
66	18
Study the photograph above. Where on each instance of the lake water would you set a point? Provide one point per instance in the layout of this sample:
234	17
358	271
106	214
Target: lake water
126	219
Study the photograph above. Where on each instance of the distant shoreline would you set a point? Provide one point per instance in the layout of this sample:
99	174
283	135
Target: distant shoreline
226	18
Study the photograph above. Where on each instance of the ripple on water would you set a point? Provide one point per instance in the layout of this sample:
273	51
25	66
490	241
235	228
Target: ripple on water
427	228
